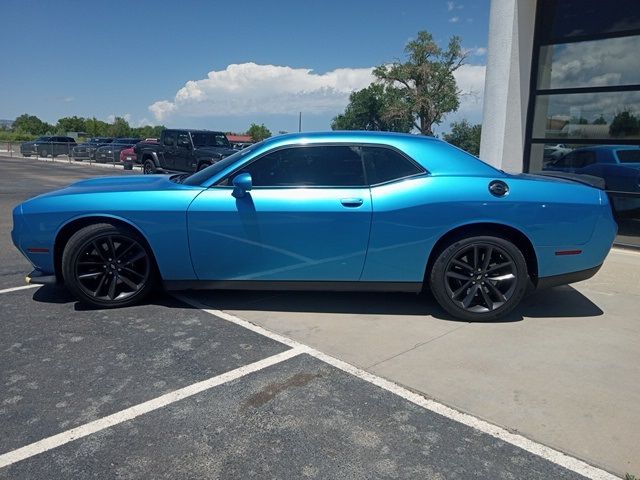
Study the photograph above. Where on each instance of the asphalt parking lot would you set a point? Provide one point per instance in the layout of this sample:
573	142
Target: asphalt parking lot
180	388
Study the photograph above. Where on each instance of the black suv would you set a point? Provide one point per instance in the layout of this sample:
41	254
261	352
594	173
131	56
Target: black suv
45	146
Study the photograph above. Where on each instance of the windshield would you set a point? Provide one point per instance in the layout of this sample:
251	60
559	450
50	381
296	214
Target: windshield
210	139
202	176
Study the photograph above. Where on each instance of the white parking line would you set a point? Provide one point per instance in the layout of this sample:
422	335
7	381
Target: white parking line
554	456
15	289
55	441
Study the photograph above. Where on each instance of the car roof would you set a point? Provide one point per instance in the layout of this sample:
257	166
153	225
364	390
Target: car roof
607	147
435	155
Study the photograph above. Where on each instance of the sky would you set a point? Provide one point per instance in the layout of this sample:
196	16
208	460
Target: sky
220	65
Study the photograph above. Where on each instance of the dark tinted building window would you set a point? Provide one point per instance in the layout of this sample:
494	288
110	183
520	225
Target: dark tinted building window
326	166
586	94
385	164
566	19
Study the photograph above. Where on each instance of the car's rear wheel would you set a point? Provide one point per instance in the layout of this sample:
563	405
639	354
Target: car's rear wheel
148	167
479	278
107	266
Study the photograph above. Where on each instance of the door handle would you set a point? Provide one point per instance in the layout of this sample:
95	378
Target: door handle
351	202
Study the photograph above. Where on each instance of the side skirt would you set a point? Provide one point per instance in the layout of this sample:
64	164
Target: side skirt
413	287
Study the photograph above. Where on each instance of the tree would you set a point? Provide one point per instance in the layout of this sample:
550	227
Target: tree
31	124
624	124
426	80
465	136
374	108
600	121
120	128
258	132
148	131
71	124
97	128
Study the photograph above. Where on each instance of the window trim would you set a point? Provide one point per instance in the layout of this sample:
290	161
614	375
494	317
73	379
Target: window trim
423	171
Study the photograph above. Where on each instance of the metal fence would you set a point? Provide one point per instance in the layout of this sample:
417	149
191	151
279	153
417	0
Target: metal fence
61	153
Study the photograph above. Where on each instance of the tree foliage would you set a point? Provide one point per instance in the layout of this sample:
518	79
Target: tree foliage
624	124
258	132
375	108
465	136
71	124
426	80
26	123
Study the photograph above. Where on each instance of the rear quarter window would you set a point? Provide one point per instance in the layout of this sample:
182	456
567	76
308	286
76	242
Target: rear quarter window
384	164
628	156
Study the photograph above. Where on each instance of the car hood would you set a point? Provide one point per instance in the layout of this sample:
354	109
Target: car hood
225	152
133	183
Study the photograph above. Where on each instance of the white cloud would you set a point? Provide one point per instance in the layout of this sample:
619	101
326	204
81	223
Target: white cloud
112	117
476	51
249	88
470	79
454	19
454	6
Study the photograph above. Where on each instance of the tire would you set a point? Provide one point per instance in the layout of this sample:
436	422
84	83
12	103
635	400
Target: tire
44	153
108	266
473	288
148	168
203	165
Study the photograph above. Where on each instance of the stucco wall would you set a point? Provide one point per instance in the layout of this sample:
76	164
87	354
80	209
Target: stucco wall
507	82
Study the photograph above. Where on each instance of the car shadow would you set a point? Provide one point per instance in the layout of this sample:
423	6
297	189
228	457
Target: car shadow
564	302
58	294
558	302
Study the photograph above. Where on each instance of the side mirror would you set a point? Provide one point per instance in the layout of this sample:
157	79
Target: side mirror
242	184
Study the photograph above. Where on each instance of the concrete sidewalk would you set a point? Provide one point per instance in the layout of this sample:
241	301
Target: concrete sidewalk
564	369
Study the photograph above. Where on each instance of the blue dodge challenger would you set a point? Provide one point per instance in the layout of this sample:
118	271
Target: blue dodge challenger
324	211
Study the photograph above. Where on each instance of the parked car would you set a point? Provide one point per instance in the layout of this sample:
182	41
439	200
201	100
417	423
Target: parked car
330	211
553	152
618	165
129	154
184	151
87	150
111	152
48	145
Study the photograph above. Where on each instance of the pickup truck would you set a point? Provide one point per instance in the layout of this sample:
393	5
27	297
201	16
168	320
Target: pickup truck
183	151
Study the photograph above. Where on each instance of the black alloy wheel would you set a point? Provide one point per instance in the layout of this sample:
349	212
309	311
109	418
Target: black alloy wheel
149	167
44	153
107	265
479	278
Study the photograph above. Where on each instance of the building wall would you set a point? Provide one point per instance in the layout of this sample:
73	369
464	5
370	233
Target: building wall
507	83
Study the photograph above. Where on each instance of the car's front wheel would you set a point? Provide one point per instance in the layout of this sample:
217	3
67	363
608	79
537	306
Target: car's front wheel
107	266
44	153
479	278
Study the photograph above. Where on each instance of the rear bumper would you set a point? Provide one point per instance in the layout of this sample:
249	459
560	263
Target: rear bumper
567	278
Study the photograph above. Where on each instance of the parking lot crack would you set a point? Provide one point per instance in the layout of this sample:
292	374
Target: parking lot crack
417	345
